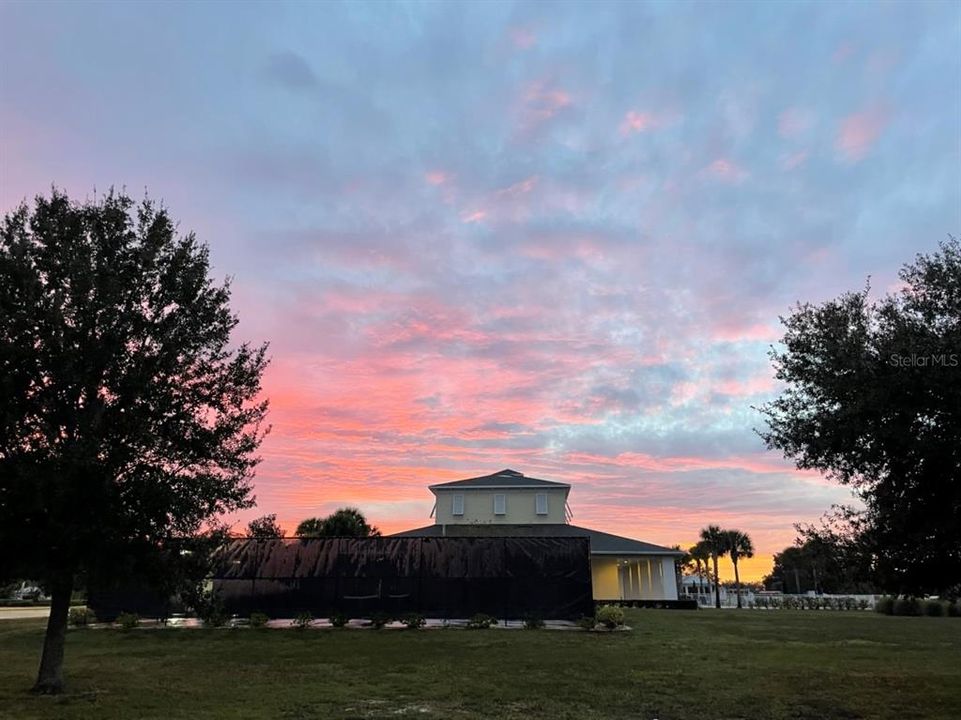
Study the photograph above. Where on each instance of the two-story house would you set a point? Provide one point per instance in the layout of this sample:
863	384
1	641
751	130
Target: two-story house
508	504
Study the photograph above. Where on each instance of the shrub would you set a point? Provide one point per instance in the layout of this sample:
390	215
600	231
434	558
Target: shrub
380	619
210	609
413	621
81	617
214	616
128	621
610	616
481	621
533	622
302	620
863	604
339	620
934	608
907	606
586	623
954	609
258	619
884	605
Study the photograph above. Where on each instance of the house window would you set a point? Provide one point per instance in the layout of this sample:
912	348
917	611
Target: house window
500	504
457	504
540	503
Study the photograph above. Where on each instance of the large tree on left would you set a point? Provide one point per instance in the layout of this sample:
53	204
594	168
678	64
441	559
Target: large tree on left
127	418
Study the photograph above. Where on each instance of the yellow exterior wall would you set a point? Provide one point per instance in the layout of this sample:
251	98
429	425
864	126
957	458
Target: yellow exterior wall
521	509
637	578
604	578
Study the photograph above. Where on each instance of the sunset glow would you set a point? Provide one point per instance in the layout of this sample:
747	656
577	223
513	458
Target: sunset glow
486	236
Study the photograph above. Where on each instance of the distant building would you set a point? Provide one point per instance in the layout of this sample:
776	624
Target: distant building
509	504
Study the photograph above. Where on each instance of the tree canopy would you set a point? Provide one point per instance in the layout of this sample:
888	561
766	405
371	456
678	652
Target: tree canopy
872	398
264	527
715	542
738	545
345	522
129	420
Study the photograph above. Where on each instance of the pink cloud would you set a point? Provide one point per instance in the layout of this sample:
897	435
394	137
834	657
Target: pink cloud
792	161
794	122
437	177
523	38
843	52
540	103
473	216
733	331
858	133
635	122
746	388
726	171
519	188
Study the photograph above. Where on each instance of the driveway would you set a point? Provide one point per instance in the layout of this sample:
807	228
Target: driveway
21	613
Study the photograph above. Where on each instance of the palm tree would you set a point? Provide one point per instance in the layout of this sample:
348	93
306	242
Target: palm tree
700	554
716	542
738	545
681	565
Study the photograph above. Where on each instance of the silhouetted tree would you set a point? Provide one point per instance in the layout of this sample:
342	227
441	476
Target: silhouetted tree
127	420
264	527
715	540
738	545
872	398
345	522
700	555
835	556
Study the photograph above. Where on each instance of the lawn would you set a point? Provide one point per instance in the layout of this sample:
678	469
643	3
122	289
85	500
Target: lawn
674	664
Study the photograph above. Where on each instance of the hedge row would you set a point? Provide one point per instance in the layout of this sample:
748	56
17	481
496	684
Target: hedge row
889	605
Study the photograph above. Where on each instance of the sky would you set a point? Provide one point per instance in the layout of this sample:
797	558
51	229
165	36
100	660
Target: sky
553	237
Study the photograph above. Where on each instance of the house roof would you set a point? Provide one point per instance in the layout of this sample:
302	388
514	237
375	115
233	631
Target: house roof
504	479
602	543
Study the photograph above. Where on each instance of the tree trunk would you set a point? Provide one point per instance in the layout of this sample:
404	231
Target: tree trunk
50	675
737	583
717	585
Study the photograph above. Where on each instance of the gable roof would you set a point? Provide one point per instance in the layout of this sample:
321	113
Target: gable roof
602	543
504	479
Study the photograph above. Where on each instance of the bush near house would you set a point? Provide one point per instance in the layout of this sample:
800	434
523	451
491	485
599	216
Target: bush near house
586	623
302	620
885	605
610	616
413	621
480	621
380	619
907	606
81	617
935	608
339	620
258	619
128	621
533	622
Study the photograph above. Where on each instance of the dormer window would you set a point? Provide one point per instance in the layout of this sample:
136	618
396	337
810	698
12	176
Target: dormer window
500	504
540	503
457	504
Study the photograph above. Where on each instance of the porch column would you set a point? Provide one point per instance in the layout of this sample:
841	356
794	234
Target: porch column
668	579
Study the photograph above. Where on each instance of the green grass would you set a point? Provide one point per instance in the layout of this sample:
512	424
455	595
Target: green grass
704	664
